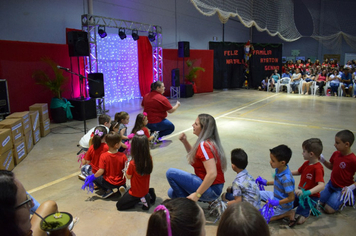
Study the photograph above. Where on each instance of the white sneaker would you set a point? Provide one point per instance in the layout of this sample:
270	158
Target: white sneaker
122	190
81	176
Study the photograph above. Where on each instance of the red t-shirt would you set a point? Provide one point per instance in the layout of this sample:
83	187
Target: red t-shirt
147	133
205	153
311	175
93	156
113	164
156	106
139	184
344	168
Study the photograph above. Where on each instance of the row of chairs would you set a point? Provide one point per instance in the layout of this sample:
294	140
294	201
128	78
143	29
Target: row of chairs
313	87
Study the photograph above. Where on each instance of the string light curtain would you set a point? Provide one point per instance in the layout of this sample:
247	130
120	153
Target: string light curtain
118	61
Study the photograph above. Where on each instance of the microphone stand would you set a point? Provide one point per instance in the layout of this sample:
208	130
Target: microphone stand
81	79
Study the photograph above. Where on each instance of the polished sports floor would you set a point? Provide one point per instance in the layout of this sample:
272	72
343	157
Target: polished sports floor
253	120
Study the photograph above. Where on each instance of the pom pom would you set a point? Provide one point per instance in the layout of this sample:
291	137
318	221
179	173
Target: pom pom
88	184
267	212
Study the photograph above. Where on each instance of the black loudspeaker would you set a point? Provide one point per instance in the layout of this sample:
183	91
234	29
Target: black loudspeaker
175	77
96	85
78	44
186	91
78	109
4	98
183	49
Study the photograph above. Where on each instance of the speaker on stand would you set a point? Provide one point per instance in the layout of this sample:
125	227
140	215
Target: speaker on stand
184	51
78	44
97	91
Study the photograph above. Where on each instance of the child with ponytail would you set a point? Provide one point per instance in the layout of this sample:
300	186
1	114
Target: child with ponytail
91	160
138	171
140	124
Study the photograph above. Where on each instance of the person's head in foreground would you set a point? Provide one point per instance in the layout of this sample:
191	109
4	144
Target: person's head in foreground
179	216
242	219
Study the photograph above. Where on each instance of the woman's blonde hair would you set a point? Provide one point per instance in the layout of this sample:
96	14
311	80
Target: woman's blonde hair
209	131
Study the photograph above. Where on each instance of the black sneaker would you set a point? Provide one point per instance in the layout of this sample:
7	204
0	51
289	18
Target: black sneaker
108	193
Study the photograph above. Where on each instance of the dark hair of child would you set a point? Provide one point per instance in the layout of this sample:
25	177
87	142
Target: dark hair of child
239	158
114	125
155	85
282	153
99	133
313	145
104	119
138	123
8	188
242	219
140	152
113	138
120	116
346	136
186	219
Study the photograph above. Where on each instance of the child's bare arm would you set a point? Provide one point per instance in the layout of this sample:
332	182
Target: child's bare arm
288	199
317	189
236	200
295	172
271	182
326	163
99	173
122	132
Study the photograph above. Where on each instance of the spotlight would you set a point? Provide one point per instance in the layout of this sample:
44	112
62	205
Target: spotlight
101	32
122	34
135	35
151	36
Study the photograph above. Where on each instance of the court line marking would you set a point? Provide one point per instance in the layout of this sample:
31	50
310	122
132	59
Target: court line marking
52	183
167	137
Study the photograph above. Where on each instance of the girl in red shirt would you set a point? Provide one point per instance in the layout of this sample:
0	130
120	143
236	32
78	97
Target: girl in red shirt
138	172
140	124
91	160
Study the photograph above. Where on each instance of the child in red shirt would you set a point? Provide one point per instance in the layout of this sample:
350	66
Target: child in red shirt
138	172
140	124
110	175
311	180
343	166
91	160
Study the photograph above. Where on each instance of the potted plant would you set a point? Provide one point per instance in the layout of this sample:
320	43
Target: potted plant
192	74
60	107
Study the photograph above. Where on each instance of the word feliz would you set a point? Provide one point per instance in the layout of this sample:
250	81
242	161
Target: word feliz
262	52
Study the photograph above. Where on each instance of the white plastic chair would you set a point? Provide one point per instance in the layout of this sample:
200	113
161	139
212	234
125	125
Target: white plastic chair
300	86
279	84
340	91
315	87
269	84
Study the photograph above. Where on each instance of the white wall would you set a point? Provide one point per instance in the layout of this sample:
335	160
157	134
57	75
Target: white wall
46	20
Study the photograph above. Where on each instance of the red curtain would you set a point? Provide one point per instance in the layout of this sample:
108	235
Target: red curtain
145	71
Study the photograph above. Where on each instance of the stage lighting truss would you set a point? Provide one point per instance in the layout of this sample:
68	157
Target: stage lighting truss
90	23
122	33
151	36
101	31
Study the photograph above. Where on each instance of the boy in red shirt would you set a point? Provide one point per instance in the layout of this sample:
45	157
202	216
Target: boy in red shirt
343	166
110	175
311	180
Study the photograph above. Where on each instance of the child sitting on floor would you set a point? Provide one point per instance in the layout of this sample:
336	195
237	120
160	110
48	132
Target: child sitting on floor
104	120
140	124
282	196
138	172
311	180
91	159
244	187
110	176
123	119
343	167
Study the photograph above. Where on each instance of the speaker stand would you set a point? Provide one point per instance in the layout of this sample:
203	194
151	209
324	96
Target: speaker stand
175	92
100	106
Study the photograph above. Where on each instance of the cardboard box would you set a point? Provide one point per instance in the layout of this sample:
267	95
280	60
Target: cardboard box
19	152
42	108
5	140
36	136
25	116
29	141
44	127
16	128
7	161
35	122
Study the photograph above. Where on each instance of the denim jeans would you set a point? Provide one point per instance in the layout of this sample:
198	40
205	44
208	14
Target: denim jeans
331	195
164	127
334	87
183	184
304	211
294	84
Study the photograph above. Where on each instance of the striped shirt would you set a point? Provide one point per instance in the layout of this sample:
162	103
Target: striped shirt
283	184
